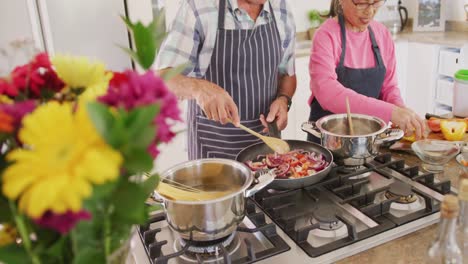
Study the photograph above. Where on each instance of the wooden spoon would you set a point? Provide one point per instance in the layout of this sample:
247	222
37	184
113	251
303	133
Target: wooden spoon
276	144
350	120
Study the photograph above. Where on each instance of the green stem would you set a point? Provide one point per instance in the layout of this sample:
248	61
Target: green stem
73	242
24	233
107	230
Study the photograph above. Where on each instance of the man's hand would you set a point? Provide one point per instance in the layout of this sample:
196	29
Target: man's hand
217	104
278	111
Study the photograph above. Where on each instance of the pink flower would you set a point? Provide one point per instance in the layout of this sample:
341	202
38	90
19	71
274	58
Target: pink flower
129	90
62	223
18	110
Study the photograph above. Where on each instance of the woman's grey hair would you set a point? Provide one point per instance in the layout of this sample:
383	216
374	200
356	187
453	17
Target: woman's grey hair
335	8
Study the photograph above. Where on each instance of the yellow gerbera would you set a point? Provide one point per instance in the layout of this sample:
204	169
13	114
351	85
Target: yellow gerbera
65	155
80	72
5	100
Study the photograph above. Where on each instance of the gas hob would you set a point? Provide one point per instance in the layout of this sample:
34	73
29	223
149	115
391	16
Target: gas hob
351	210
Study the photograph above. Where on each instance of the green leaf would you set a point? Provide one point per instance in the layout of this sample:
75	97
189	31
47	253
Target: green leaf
5	213
172	72
119	136
150	184
129	203
145	137
137	160
102	119
103	191
140	120
89	255
57	252
13	253
130	52
144	39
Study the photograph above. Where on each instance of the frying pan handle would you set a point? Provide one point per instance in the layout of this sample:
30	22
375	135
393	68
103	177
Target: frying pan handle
311	128
264	178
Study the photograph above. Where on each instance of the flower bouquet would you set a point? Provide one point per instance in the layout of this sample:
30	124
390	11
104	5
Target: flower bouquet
75	141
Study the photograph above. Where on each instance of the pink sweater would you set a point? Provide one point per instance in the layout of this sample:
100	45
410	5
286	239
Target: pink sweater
325	56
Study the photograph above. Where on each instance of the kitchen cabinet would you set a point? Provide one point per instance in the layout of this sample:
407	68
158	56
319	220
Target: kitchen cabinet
450	61
425	74
401	54
421	76
300	109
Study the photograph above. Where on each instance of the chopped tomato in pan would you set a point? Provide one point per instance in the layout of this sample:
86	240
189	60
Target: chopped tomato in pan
294	164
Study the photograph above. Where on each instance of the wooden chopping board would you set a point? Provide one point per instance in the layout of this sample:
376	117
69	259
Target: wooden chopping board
406	145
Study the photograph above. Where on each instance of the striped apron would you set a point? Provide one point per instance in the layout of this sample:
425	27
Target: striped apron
244	63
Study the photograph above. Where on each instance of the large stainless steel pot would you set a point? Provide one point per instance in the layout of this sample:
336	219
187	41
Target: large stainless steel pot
369	134
211	219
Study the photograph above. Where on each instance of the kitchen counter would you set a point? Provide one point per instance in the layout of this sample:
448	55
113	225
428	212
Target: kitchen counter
411	248
449	39
453	39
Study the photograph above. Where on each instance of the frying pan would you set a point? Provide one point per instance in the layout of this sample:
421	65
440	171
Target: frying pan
252	151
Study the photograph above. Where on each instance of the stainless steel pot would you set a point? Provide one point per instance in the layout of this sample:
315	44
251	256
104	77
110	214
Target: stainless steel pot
369	134
211	219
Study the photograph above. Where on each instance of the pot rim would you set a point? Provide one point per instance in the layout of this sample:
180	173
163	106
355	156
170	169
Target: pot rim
383	125
186	164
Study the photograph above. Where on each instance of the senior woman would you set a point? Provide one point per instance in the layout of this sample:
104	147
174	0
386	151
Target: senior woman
353	56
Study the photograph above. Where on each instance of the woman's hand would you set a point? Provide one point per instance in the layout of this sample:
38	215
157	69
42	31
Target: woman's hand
217	104
408	121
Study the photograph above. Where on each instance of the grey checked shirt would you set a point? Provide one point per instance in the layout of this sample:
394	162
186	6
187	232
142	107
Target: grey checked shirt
192	36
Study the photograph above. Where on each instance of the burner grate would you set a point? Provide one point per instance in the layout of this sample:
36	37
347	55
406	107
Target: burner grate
153	247
288	209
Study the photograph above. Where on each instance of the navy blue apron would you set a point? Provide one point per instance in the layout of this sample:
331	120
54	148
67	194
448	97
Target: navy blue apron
364	81
244	63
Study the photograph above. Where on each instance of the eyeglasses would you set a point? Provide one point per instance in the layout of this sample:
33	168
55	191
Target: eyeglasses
375	5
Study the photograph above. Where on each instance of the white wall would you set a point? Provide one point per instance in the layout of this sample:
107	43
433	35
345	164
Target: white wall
15	23
300	9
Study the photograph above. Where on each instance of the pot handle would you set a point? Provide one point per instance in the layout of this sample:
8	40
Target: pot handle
390	135
311	128
155	198
264	178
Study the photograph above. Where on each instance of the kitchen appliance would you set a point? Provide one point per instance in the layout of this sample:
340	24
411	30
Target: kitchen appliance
349	212
210	220
460	93
253	151
352	150
393	15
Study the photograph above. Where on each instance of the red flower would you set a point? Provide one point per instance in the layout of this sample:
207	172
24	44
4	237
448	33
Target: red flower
7	88
117	79
36	78
62	223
